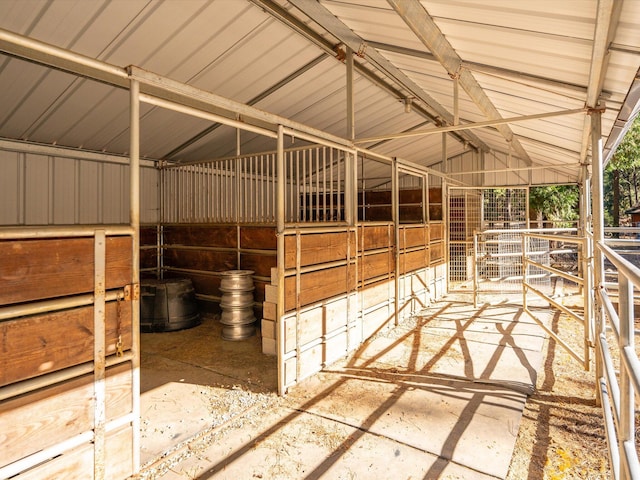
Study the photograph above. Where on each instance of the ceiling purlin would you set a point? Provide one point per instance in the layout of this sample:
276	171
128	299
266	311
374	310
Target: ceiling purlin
424	27
334	26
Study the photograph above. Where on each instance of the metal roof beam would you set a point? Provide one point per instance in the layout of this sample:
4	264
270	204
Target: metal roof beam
607	18
487	69
425	28
323	17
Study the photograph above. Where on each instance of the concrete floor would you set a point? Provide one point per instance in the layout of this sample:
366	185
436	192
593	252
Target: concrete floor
438	397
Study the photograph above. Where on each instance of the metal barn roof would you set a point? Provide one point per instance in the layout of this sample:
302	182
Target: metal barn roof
419	65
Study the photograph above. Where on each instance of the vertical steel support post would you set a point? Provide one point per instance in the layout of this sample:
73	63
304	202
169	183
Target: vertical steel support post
395	217
99	355
134	218
597	219
475	269
280	218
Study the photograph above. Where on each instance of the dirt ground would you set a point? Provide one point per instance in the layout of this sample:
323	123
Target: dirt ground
561	434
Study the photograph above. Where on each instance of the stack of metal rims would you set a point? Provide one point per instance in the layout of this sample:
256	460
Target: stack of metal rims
237	316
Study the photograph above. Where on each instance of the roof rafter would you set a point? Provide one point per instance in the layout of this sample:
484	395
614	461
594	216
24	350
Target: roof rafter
323	17
424	27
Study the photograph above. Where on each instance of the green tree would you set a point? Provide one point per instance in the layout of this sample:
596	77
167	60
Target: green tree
555	203
621	177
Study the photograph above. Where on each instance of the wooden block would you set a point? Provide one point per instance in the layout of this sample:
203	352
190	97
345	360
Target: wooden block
45	343
269	310
274	276
268	328
269	346
271	293
32	269
40	419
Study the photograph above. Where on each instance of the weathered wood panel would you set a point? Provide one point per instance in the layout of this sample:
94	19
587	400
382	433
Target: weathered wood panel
37	269
262	238
202	283
261	264
78	463
412	236
148	236
40	344
38	420
317	286
376	265
436	232
148	258
415	260
375	236
377	293
202	235
436	253
376	320
208	260
435	195
316	248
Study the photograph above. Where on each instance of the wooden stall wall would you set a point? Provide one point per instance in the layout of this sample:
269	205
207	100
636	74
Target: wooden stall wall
340	289
51	387
201	252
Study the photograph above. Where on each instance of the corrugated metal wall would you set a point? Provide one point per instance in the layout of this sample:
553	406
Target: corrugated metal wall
38	189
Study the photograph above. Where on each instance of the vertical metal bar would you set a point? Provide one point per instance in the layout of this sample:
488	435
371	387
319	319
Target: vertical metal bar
351	126
263	178
99	356
134	214
597	218
304	186
325	216
626	428
331	212
317	175
395	216
280	222
475	269
339	189
456	98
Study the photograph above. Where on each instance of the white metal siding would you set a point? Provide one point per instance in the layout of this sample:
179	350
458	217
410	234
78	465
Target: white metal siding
54	190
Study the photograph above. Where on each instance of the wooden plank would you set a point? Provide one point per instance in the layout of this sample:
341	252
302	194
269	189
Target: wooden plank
375	236
201	235
376	265
375	213
316	248
411	261
335	348
260	238
269	310
259	263
435	195
290	340
271	294
200	259
75	464
336	314
315	287
311	360
436	232
269	346
413	195
39	344
435	212
45	417
268	328
376	321
32	269
377	293
311	324
436	253
410	213
412	236
258	293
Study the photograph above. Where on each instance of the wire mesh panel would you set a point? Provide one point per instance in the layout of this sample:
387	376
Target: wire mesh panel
465	214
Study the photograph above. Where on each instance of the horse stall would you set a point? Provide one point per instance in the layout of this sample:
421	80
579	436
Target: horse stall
338	245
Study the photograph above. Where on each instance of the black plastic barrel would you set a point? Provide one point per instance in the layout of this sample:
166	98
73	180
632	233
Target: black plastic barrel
167	305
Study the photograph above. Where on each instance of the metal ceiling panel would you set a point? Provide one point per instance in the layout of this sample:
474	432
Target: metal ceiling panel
528	57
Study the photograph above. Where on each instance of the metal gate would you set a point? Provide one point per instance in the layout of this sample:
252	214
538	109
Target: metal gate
485	239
